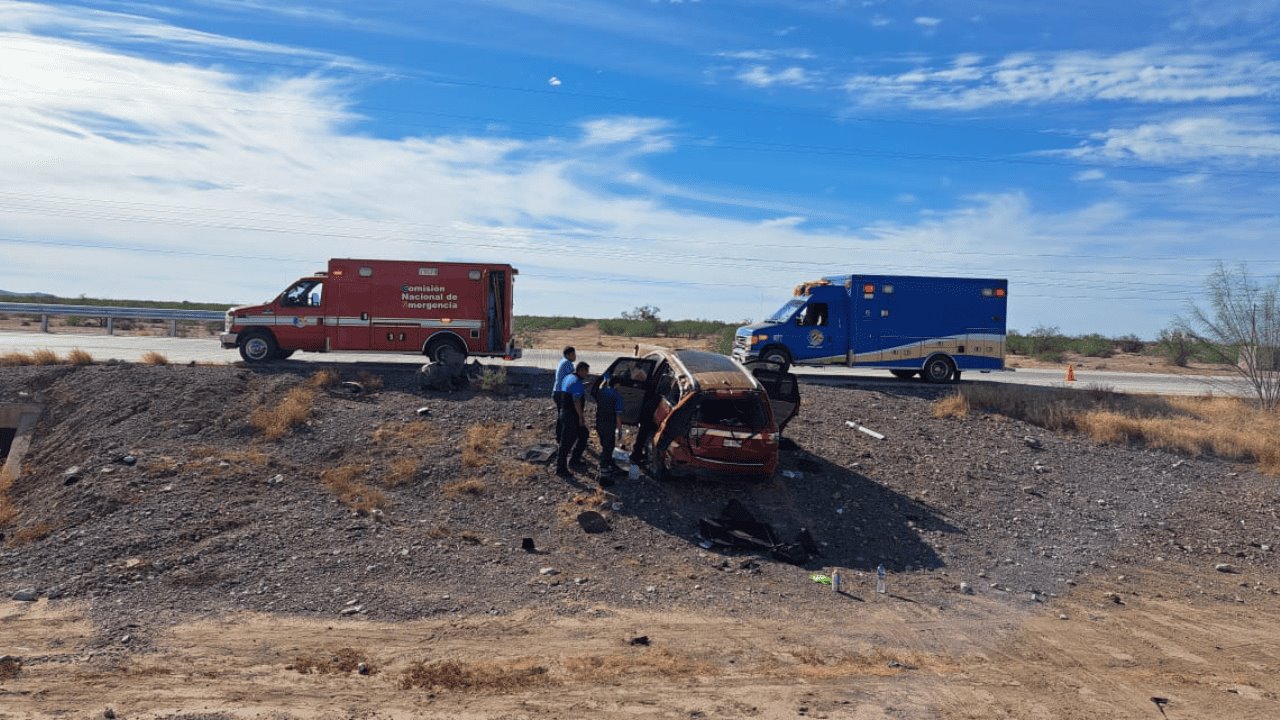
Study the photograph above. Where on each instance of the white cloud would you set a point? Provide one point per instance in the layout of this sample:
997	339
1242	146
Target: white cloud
1149	75
554	81
762	77
928	22
766	55
880	21
647	133
1089	176
1187	138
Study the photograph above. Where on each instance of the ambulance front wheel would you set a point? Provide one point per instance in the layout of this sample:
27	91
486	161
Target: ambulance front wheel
938	369
258	346
777	356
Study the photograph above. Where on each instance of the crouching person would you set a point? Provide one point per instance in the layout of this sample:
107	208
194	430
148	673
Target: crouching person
608	422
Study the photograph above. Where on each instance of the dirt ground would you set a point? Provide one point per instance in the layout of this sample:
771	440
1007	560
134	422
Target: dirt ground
218	574
876	657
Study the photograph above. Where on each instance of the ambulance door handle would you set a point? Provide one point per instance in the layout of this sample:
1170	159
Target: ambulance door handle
364	316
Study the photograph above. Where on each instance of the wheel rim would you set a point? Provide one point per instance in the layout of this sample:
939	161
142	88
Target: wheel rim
938	370
255	348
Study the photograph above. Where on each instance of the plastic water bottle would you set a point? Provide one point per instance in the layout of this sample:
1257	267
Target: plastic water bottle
880	579
835	580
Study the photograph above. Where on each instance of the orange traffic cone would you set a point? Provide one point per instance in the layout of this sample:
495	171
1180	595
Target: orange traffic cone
1071	373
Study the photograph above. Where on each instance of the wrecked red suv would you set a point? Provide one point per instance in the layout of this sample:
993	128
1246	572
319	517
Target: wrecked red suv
703	413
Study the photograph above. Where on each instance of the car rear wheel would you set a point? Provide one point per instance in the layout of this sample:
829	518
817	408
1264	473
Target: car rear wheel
938	369
258	346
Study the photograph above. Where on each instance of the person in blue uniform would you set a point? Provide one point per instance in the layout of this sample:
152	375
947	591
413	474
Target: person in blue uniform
609	409
573	420
563	370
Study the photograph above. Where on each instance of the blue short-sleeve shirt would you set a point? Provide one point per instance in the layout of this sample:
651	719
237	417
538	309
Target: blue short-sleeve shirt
564	369
572	387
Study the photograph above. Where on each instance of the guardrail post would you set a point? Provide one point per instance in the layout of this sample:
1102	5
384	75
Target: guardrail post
44	323
173	328
111	326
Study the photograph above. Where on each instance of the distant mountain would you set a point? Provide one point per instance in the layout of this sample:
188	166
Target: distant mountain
42	295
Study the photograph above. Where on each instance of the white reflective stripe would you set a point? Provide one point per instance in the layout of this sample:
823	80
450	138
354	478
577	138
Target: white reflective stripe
346	322
419	322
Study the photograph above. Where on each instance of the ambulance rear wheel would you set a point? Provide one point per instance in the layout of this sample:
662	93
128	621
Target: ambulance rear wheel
938	369
447	351
258	346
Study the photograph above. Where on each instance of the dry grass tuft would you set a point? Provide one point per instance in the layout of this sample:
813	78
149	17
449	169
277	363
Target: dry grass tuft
344	483
473	487
44	356
293	410
7	510
15	359
343	660
402	435
369	381
154	358
481	443
490	677
402	471
28	535
79	357
493	380
653	662
955	405
514	472
324	378
1229	428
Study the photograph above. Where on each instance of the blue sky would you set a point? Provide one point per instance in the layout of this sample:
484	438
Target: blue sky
700	156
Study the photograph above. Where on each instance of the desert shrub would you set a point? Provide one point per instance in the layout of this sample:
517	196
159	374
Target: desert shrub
7	509
73	321
722	341
1130	344
1094	346
44	356
368	380
694	329
31	533
402	471
493	379
536	323
154	358
293	410
629	328
79	357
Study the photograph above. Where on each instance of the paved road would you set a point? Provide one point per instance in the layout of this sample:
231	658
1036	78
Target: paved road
185	350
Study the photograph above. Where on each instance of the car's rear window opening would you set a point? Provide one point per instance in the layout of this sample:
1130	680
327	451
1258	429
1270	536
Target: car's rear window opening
743	412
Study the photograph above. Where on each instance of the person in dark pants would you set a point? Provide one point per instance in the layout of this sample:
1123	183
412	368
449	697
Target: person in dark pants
644	433
609	409
563	370
573	420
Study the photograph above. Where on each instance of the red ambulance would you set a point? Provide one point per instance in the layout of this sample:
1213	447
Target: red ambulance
445	311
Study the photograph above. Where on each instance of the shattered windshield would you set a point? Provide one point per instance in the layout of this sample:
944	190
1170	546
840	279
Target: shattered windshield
786	311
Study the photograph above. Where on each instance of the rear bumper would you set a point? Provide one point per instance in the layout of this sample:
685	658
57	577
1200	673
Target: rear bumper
228	340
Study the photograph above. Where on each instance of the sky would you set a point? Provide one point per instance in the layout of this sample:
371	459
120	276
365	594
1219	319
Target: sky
699	156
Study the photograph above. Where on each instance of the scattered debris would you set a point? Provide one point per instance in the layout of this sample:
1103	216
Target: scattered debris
352	387
1032	442
10	667
26	595
540	454
737	527
639	640
548	571
1226	568
864	429
966	588
423	411
527	545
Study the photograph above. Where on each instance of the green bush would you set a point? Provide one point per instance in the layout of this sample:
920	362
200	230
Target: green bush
534	323
629	328
723	340
694	329
1093	346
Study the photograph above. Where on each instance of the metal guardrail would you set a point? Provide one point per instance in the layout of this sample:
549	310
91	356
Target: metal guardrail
44	310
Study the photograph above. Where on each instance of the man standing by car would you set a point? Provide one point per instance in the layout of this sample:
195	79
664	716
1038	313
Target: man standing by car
608	418
563	370
573	420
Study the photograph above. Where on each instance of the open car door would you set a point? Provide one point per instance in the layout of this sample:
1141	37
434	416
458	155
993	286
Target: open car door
783	390
635	379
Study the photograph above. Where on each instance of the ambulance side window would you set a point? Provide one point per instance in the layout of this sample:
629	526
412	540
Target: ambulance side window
304	294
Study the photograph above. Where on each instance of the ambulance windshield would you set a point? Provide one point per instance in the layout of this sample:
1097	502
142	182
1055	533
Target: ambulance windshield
786	311
304	293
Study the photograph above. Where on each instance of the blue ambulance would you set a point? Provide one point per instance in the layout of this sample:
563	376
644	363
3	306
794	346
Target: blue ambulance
937	327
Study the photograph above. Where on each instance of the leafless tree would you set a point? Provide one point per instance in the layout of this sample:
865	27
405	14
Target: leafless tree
1239	324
